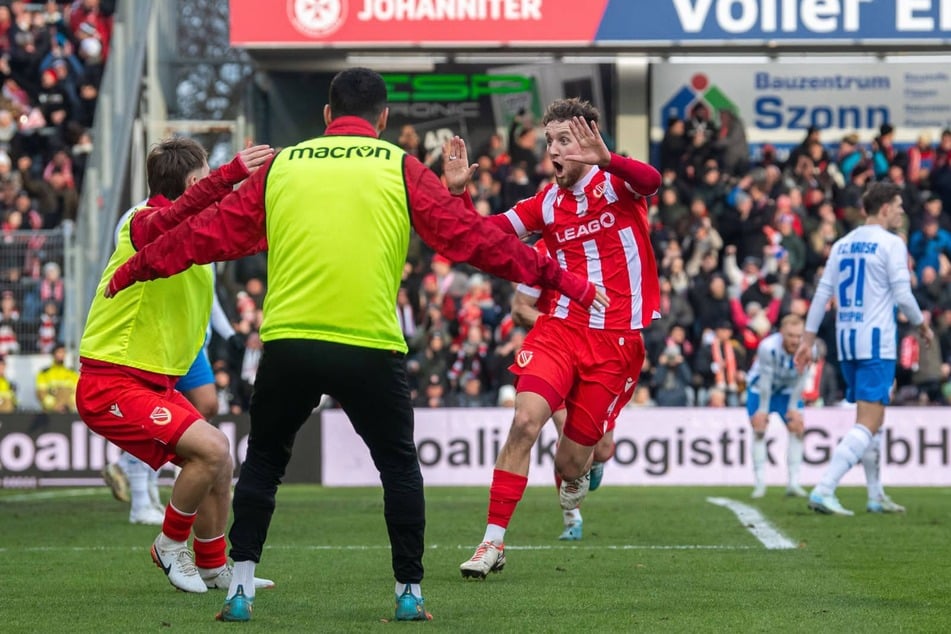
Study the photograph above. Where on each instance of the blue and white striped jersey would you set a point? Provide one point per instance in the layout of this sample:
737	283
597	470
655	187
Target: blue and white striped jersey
867	274
773	371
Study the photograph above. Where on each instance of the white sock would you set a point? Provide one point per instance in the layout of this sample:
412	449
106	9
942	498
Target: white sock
846	455
138	474
495	534
414	589
759	460
794	458
243	575
154	496
872	462
572	516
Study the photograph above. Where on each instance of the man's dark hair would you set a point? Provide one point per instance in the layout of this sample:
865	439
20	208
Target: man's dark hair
358	92
878	195
169	164
565	109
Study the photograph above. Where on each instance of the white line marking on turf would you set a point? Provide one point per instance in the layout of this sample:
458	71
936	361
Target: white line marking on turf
49	495
48	549
756	524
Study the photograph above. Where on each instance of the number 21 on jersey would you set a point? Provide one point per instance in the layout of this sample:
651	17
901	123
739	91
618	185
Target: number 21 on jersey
852	286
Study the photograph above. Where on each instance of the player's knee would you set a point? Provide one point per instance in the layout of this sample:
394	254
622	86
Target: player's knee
604	450
570	467
215	452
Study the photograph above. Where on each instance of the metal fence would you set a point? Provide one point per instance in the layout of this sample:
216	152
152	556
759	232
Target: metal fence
34	293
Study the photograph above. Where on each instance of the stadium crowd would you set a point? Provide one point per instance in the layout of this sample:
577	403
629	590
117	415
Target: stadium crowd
739	244
51	65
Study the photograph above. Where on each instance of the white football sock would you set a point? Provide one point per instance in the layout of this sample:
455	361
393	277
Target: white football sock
138	474
794	458
154	496
872	461
572	516
759	460
846	455
414	589
495	534
243	575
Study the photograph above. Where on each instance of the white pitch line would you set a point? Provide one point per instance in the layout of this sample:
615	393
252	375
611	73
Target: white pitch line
50	495
756	524
47	549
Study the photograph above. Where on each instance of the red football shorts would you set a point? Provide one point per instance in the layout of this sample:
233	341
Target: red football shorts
592	371
136	415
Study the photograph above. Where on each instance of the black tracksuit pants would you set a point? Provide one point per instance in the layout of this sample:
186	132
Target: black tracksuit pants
372	388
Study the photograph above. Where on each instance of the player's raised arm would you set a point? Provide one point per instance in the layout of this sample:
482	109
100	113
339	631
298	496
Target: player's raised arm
643	178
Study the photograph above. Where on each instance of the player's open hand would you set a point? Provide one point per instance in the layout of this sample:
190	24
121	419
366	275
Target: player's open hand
592	149
601	301
927	334
455	165
254	156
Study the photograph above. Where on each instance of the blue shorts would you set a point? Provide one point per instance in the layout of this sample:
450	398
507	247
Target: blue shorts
199	374
778	404
868	380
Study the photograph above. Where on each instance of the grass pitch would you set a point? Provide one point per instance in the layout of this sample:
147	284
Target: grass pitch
653	559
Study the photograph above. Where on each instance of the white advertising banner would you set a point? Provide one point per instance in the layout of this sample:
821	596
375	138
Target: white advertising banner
779	101
654	446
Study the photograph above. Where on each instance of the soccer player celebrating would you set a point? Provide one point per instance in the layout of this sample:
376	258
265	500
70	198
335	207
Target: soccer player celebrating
775	386
594	220
867	273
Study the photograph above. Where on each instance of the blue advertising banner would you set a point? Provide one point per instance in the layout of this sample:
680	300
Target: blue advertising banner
751	21
779	101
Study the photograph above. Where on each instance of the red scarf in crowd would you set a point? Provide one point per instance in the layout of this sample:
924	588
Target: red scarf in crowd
724	357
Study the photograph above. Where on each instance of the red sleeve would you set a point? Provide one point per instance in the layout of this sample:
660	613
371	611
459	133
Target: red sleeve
459	233
148	226
643	178
739	315
228	230
772	310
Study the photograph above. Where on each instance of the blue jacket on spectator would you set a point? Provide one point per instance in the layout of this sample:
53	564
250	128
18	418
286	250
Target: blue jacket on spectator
926	249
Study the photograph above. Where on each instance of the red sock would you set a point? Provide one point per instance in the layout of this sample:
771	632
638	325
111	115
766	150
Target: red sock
177	525
504	495
210	553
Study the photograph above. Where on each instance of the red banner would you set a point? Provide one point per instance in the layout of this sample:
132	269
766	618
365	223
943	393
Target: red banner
446	23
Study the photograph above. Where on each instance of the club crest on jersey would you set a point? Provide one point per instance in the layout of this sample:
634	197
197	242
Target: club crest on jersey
524	358
599	189
161	416
604	221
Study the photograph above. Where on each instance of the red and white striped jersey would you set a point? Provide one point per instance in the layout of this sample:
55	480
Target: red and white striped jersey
545	298
597	229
